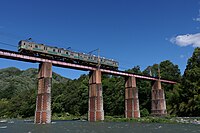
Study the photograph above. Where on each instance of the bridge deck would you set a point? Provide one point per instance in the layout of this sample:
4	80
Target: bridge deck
17	56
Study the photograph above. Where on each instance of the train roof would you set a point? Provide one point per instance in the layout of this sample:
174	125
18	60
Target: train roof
66	50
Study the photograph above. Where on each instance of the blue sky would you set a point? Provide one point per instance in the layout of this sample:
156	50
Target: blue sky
133	32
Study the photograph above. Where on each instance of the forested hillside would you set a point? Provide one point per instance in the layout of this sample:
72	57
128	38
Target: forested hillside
18	91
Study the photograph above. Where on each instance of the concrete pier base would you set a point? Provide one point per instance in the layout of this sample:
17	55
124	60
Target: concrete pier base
131	98
95	111
158	104
43	102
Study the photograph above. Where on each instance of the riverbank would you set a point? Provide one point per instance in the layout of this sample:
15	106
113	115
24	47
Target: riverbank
148	119
151	119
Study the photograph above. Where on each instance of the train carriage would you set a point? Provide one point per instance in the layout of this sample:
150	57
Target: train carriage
35	49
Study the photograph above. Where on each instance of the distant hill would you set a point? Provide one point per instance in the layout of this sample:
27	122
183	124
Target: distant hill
13	79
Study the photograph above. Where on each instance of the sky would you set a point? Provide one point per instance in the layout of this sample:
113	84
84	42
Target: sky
133	32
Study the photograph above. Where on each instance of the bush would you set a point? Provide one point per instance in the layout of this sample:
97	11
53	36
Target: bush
144	112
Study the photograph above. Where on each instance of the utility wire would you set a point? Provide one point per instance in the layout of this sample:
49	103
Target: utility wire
11	35
7	44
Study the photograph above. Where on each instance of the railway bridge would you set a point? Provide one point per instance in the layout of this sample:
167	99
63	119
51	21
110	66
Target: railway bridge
95	102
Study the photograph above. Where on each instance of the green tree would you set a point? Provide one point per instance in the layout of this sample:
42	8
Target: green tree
113	95
170	71
23	104
8	91
190	85
4	105
174	100
71	97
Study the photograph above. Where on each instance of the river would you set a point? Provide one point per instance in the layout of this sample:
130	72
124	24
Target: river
24	126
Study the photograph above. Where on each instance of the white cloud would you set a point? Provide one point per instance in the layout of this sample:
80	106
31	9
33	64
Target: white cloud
196	19
186	40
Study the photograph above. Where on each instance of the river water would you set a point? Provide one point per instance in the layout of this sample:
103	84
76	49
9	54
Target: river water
22	126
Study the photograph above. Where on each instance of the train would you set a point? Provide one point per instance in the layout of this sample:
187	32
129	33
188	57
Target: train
41	50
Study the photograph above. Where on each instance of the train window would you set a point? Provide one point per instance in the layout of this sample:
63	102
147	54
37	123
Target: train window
36	46
54	50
